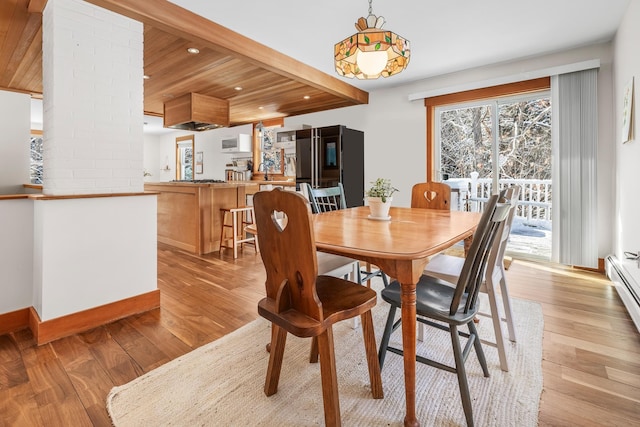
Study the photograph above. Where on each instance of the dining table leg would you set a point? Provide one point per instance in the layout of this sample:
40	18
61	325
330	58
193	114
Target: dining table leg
409	349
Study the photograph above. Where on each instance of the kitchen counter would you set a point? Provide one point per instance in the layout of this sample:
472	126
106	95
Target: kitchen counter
189	215
280	182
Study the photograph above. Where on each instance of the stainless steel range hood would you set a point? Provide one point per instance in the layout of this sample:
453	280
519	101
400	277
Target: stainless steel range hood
197	112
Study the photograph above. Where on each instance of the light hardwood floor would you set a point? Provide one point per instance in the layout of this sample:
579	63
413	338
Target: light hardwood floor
591	349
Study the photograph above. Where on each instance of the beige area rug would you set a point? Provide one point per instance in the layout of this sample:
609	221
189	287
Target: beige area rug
221	383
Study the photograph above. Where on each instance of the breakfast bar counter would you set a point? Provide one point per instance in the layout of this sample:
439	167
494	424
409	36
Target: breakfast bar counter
189	215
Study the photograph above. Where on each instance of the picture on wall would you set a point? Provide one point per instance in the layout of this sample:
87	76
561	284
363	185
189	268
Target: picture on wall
627	112
199	156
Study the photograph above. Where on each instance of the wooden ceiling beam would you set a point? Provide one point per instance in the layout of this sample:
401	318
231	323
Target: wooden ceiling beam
36	6
183	23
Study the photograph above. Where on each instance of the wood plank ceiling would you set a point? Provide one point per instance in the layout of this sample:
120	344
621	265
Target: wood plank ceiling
273	85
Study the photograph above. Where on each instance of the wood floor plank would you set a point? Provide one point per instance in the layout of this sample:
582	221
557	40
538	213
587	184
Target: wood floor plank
18	406
578	387
561	409
144	353
152	326
593	390
57	399
609	338
591	348
12	370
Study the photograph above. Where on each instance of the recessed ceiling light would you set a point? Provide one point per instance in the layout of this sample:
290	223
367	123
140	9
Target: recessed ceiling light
193	50
146	77
306	97
238	88
260	107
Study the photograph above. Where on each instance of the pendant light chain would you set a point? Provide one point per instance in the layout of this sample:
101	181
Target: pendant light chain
370	9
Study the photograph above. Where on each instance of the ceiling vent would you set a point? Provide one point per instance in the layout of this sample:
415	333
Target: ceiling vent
196	112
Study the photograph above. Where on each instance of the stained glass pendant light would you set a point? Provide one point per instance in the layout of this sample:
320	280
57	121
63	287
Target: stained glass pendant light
371	52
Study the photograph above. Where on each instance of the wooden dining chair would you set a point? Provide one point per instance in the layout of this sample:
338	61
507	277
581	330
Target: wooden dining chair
300	302
431	195
448	306
448	267
331	264
331	199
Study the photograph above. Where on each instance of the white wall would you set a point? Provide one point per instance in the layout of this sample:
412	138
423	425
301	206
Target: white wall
16	254
15	113
161	150
626	225
151	157
395	128
92	251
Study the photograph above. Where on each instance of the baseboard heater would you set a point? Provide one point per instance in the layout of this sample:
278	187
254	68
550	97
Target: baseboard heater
626	284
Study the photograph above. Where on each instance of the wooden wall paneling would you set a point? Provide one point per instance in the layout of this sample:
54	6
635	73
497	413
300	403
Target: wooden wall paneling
226	60
36	6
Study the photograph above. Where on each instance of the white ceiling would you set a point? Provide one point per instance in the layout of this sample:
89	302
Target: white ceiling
445	35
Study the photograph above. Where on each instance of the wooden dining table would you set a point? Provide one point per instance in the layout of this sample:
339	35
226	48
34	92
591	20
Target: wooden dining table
400	246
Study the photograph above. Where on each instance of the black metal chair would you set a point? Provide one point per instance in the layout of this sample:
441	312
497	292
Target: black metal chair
453	305
331	199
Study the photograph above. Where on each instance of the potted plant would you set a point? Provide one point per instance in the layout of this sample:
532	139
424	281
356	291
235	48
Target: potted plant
379	198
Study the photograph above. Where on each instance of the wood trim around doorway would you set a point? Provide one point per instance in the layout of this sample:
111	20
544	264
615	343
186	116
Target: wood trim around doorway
517	88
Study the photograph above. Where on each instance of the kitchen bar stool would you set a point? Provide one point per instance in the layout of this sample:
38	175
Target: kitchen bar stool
241	217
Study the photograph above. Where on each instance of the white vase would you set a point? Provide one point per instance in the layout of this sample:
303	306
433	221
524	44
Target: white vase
378	208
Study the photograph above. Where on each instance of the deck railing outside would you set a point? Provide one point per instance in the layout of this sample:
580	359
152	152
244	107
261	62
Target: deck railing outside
534	201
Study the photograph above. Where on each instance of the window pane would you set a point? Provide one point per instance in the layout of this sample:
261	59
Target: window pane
525	139
465	136
36	160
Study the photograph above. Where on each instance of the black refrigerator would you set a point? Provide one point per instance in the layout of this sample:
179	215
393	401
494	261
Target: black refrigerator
328	155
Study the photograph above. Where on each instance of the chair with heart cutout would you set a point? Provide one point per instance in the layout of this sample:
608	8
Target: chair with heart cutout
303	303
431	195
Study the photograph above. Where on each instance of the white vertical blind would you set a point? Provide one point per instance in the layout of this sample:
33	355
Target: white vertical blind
575	121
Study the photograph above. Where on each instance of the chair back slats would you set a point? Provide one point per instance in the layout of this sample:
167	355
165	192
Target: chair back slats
431	195
472	274
497	252
326	199
287	248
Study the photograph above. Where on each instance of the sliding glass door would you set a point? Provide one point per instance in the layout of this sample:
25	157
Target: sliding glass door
484	146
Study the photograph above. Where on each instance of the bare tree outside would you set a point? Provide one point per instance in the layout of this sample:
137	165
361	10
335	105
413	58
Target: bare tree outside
524	140
523	158
36	160
466	142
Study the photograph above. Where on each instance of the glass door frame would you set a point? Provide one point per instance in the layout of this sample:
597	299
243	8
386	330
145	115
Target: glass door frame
521	88
494	106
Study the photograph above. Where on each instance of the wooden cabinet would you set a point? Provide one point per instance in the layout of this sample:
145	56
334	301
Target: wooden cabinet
189	214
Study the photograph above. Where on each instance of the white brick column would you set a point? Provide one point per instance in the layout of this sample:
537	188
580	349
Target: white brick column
91	251
93	100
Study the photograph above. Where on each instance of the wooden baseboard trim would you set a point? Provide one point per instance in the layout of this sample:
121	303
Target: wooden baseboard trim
81	321
600	268
14	321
